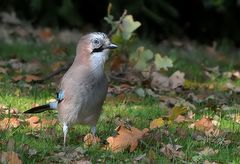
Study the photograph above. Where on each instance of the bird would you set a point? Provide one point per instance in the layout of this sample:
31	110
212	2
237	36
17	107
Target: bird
83	88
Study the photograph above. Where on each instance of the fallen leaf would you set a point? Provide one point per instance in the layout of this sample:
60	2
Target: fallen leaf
204	124
181	132
172	151
236	75
169	101
118	63
176	111
3	70
236	118
33	121
207	151
180	119
32	67
125	138
45	34
140	157
68	155
47	123
32	152
212	73
17	78
140	92
57	65
159	82
10	157
157	123
207	162
36	123
10	144
12	111
30	78
90	139
9	123
176	80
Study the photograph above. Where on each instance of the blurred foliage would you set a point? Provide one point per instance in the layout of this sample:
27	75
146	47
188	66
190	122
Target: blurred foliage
123	34
205	20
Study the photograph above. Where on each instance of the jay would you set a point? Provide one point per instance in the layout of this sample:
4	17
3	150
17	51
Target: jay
83	88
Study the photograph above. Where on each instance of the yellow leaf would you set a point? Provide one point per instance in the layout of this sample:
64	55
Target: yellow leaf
176	111
157	123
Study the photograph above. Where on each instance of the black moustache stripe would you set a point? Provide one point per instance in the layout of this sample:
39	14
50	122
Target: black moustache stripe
100	49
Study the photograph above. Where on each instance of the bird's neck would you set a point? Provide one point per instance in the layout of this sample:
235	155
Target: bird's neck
94	63
97	61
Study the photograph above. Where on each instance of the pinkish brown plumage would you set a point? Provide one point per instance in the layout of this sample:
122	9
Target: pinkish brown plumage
83	88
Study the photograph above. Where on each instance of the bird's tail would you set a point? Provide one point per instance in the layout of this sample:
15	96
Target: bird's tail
42	108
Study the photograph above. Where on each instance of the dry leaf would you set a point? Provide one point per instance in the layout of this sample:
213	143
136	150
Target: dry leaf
207	151
159	82
181	132
30	78
180	119
36	123
157	123
46	35
204	124
172	151
169	101
90	139
126	137
9	123
176	80
32	67
33	121
236	118
236	75
10	157
3	70
207	162
57	65
17	78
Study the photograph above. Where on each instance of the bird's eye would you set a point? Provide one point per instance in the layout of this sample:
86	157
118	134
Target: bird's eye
96	41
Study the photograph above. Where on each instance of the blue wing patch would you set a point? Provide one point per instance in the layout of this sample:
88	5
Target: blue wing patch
53	105
60	96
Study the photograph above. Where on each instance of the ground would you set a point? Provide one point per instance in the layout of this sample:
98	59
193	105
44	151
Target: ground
206	132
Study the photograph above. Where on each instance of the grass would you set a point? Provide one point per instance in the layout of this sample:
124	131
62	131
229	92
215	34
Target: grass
139	113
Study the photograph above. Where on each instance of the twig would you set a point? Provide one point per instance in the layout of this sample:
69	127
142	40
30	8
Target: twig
118	23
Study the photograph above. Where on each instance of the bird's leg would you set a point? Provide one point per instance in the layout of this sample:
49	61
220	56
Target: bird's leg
65	130
93	130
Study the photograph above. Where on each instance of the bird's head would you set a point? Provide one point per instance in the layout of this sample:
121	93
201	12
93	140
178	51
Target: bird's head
93	48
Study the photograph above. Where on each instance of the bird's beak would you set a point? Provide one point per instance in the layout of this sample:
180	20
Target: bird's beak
111	46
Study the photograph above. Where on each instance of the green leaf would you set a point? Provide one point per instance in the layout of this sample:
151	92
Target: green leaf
162	62
142	57
128	26
117	38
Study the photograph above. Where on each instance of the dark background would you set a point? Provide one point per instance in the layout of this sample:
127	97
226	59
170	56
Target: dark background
202	20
